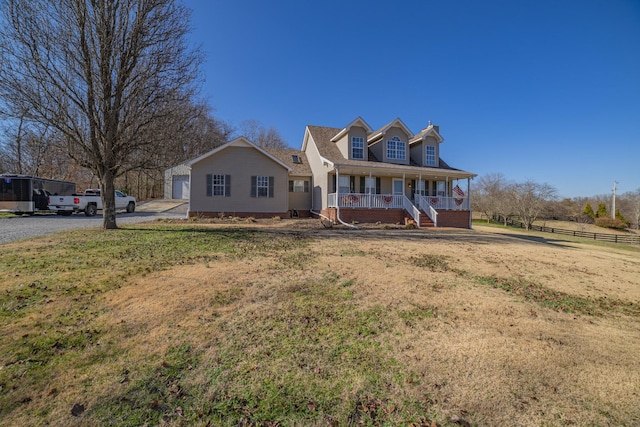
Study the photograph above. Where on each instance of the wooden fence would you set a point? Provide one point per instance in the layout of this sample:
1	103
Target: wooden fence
613	238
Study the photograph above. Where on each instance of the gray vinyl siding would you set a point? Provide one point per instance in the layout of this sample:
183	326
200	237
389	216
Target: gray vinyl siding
320	185
241	164
394	131
357	131
301	201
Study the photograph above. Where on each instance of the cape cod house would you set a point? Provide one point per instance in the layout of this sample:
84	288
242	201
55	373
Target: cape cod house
350	174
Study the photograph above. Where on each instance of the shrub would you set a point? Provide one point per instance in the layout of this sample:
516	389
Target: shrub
613	223
588	211
621	217
602	211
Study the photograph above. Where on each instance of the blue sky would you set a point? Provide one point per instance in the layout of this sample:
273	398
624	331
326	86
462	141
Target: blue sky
545	90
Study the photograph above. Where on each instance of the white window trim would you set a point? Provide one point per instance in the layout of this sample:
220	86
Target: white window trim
430	158
394	151
262	183
298	185
360	141
218	185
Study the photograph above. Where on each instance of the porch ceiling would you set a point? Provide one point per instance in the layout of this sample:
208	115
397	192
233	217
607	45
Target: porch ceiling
398	171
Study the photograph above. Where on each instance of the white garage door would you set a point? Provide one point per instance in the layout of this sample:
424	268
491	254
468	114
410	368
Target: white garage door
180	189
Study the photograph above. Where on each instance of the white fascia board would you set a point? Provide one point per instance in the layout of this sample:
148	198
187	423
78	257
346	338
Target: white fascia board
395	123
429	132
238	142
358	120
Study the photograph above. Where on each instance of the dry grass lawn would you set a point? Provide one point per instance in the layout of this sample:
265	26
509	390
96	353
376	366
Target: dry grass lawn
487	327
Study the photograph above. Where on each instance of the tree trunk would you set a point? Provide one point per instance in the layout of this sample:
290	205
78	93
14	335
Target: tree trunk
108	202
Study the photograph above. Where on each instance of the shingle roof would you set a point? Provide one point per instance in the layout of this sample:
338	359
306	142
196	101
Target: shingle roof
285	155
328	149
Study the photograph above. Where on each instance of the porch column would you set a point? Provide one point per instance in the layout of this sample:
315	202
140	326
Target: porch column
446	193
368	189
403	183
469	202
337	188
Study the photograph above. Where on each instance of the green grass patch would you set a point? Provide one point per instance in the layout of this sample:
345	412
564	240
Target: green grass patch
55	283
430	261
82	263
561	301
314	358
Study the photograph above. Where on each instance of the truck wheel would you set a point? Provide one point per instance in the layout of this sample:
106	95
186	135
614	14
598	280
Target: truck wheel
90	210
131	207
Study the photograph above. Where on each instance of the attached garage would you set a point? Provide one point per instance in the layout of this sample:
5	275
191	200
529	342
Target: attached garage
180	187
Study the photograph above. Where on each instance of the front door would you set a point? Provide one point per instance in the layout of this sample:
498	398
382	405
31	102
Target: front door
398	187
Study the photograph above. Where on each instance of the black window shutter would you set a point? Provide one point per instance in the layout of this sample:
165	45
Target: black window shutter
209	185
227	186
254	180
378	185
290	186
270	186
352	184
334	184
306	186
362	180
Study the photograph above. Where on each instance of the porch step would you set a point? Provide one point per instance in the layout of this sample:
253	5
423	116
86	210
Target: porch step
425	221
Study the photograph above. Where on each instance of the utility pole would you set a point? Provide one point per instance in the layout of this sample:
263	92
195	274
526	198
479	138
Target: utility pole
613	205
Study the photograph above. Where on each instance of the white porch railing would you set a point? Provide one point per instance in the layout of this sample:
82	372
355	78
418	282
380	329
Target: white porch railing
391	201
443	203
361	200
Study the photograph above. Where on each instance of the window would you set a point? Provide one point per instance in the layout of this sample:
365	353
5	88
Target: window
296	158
396	149
261	186
298	186
343	184
218	185
370	184
357	147
430	155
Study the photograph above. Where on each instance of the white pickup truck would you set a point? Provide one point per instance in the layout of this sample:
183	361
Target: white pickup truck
89	203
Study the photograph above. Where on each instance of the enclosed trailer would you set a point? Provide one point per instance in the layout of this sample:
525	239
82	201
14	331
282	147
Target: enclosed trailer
30	194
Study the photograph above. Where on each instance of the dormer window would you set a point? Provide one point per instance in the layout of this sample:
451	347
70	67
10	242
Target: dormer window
296	159
430	155
357	147
396	149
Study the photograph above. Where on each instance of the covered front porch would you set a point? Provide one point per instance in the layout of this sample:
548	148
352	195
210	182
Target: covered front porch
436	200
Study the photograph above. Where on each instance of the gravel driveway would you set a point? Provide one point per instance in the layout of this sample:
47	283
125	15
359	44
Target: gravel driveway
27	227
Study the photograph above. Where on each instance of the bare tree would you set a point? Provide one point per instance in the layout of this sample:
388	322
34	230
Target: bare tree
492	196
630	202
530	199
188	130
26	146
99	72
257	133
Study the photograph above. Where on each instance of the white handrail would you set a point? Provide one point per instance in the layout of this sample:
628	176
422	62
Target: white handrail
424	204
413	211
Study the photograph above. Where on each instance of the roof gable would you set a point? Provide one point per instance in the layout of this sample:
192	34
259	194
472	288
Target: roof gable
238	142
373	136
359	121
431	130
